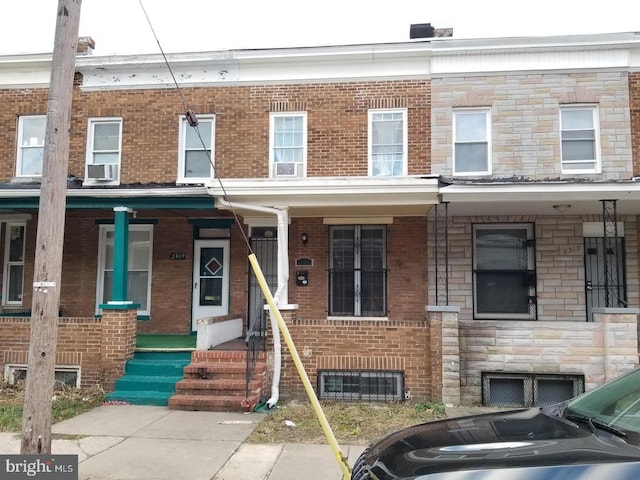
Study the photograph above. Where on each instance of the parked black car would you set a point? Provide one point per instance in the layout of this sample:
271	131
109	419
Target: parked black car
595	436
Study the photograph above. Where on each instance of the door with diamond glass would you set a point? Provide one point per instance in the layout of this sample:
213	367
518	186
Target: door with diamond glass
210	279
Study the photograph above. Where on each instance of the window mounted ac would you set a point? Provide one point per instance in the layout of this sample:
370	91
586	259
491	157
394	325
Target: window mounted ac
288	169
102	171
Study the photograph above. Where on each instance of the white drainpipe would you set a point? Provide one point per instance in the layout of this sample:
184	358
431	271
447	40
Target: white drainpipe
281	297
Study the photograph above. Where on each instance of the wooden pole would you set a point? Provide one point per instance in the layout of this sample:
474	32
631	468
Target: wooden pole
36	417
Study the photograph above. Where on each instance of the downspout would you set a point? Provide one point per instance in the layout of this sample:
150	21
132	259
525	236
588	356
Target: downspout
281	297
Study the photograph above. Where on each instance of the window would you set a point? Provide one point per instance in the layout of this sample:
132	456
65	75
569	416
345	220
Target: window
504	278
358	275
196	160
139	268
387	142
472	142
527	390
361	385
14	264
31	131
67	376
104	143
580	139
288	144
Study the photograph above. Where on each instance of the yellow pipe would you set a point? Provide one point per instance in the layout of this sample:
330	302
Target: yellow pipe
326	428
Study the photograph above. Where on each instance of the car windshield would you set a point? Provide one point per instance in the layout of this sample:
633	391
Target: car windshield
615	404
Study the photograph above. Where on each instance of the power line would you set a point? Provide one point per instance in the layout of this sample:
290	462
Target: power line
192	120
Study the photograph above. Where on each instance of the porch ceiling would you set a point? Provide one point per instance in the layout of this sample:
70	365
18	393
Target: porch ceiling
540	198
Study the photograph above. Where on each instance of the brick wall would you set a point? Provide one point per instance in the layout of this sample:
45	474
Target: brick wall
525	120
100	347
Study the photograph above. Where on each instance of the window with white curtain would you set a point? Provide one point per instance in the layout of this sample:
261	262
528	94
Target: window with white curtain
288	144
196	150
472	141
30	155
139	266
387	142
580	139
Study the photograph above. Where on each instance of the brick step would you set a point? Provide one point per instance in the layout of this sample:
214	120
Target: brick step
218	387
212	370
214	403
207	356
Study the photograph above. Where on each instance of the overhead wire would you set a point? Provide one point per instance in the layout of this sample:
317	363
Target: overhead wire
193	122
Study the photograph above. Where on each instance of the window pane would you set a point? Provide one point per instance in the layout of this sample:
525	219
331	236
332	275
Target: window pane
139	246
579	150
501	249
502	292
106	136
471	157
387	143
15	283
137	283
33	131
106	157
197	164
471	127
342	292
577	119
16	243
31	161
193	141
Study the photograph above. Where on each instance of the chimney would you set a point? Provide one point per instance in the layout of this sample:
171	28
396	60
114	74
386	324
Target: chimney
85	46
425	30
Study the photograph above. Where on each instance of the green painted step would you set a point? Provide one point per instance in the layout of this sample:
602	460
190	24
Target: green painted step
150	378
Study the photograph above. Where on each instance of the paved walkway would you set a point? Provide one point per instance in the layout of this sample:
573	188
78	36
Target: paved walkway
126	442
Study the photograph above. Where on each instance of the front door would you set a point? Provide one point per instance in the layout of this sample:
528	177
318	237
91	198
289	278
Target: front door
210	279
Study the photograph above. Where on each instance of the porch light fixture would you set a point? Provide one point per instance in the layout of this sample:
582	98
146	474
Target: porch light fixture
562	207
304	238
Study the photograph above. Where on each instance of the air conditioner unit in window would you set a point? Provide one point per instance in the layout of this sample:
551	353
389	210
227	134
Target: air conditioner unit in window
288	169
102	171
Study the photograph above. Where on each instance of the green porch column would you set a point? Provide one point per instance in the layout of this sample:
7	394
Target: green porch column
120	256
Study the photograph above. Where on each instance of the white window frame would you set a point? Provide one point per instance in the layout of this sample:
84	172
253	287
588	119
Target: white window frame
184	125
8	263
91	151
300	167
23	144
531	267
372	114
487	140
597	166
102	248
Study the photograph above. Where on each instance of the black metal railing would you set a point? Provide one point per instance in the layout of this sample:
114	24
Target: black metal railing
256	343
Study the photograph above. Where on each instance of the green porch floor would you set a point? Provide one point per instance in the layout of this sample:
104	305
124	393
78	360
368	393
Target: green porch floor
145	341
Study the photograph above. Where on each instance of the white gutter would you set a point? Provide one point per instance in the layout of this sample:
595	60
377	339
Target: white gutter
281	297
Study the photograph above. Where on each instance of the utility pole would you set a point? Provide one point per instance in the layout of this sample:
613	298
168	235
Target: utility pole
36	417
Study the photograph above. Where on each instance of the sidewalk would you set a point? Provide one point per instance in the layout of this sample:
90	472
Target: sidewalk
126	442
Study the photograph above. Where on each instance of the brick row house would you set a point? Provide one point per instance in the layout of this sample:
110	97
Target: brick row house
439	219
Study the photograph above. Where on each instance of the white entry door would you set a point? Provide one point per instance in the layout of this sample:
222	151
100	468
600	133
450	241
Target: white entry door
210	279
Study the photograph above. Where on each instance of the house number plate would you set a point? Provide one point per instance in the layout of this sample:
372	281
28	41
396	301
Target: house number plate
178	255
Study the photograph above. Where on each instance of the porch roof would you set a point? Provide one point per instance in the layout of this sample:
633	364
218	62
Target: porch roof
540	198
332	196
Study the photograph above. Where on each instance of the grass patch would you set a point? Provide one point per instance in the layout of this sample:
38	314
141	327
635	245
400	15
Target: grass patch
67	403
352	423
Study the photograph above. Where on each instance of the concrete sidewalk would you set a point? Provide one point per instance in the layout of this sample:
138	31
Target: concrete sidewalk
126	442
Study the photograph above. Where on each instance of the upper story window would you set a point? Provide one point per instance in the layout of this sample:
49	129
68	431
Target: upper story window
472	142
31	131
196	150
580	139
388	142
104	145
13	264
288	144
